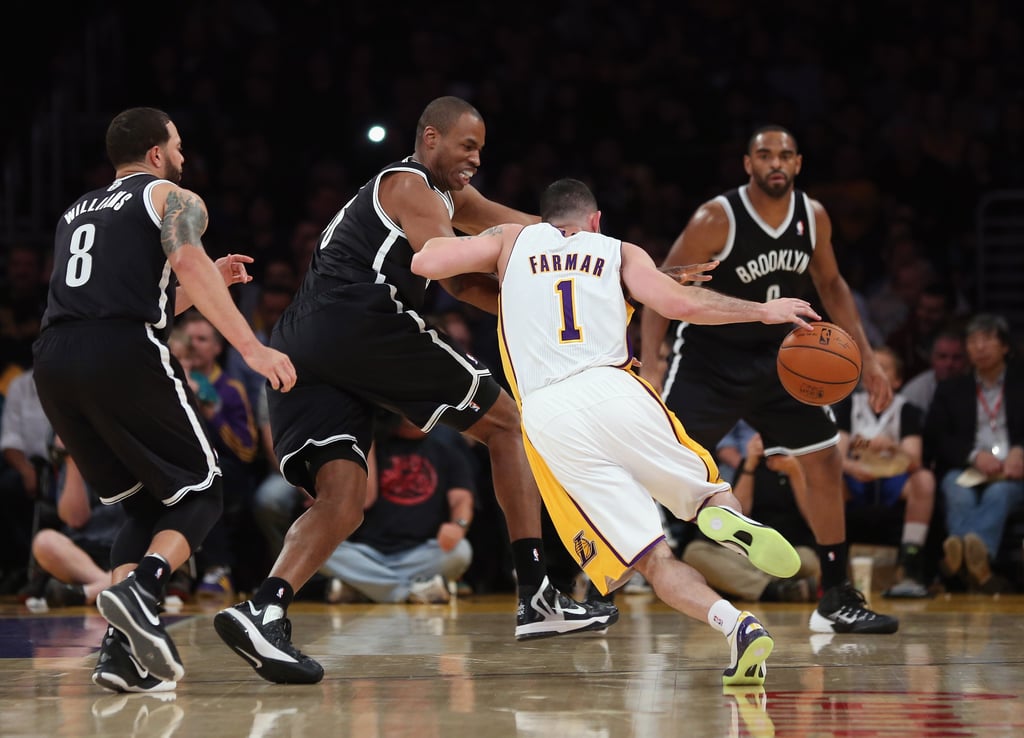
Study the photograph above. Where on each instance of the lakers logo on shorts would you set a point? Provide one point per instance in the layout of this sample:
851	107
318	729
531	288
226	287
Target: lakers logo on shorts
585	550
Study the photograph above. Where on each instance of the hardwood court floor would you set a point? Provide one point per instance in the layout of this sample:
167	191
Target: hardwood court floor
955	668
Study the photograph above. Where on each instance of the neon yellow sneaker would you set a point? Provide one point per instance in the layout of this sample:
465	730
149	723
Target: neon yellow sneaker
765	547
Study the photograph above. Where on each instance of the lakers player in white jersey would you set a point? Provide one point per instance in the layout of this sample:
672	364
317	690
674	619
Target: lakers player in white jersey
603	447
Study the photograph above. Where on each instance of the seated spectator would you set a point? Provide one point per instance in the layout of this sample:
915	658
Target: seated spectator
974	435
765	488
948	358
25	435
882	466
77	557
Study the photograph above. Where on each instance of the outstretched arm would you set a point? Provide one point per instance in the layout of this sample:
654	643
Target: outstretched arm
184	222
441	258
662	294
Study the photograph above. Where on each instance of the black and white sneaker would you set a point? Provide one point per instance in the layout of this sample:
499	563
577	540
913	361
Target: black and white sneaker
263	638
134	612
843	609
550	613
119	671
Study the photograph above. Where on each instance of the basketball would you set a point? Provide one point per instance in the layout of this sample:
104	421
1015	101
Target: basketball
821	366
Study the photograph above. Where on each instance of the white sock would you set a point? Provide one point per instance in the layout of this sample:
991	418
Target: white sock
723	617
915	533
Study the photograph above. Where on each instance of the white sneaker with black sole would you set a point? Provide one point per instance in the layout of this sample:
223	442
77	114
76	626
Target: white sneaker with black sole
549	613
262	637
136	614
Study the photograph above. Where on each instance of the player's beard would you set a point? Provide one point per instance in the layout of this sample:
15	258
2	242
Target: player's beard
173	174
773	189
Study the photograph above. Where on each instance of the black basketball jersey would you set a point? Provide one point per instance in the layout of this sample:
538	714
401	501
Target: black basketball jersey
108	261
759	263
362	245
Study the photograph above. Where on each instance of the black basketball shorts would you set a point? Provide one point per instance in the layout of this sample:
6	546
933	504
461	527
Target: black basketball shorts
356	353
124	410
711	388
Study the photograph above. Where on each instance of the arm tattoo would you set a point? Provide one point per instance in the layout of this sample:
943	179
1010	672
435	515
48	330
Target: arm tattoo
493	231
184	223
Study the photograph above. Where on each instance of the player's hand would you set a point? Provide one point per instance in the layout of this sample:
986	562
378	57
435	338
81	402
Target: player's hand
789	310
691	273
273	365
877	383
232	268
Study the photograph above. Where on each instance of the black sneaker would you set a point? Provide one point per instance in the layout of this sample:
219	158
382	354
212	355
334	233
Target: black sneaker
263	638
119	671
842	609
58	594
134	612
549	613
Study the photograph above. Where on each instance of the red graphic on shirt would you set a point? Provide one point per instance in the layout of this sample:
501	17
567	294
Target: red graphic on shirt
408	480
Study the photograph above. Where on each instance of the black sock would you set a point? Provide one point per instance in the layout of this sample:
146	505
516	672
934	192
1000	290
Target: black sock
152	574
528	558
834	560
274	591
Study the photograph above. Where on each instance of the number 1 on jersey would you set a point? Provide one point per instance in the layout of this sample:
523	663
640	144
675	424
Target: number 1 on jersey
570	333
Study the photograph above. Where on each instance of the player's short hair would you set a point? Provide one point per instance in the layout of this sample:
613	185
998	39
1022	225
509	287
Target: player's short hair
135	131
566	198
771	128
443	113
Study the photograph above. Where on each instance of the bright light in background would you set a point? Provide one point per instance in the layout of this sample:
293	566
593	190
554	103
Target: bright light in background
376	134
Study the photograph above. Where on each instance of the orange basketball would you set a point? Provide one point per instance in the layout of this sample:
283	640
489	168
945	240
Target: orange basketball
821	366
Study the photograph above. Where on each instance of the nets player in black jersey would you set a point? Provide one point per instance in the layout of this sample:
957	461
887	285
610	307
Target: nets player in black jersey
358	338
768	236
115	395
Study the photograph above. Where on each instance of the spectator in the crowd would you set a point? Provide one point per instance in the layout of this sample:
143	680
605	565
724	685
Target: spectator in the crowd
948	358
974	436
912	342
25	437
77	556
224	404
882	466
767	488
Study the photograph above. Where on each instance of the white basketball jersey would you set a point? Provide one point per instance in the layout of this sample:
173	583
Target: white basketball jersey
562	308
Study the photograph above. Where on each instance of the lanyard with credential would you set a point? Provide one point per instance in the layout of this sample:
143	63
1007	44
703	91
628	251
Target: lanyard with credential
991	412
